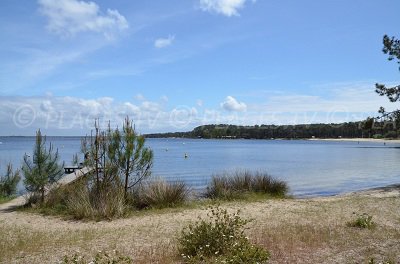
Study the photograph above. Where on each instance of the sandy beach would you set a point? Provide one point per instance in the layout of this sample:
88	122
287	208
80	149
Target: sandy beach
311	230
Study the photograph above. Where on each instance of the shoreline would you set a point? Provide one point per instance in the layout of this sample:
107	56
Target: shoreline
379	192
375	140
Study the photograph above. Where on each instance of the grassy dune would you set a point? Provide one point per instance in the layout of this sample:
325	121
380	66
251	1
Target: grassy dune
311	230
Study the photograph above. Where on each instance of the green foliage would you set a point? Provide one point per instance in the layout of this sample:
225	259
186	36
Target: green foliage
118	156
391	47
134	159
377	136
101	258
119	161
301	131
236	185
9	182
5	199
159	194
43	169
220	239
391	134
362	221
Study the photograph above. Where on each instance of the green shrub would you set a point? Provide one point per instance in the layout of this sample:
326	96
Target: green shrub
9	182
220	239
100	258
362	221
232	186
377	136
159	194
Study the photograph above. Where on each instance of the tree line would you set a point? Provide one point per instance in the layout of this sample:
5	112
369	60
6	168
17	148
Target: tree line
363	129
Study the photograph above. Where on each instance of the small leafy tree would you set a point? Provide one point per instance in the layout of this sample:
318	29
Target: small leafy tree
43	169
9	182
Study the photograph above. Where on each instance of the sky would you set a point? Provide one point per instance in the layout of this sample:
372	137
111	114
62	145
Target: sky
174	65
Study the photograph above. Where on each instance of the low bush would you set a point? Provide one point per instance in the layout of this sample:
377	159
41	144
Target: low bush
220	239
231	186
159	194
362	221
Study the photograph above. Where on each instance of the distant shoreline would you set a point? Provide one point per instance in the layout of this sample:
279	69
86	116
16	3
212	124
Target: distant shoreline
376	140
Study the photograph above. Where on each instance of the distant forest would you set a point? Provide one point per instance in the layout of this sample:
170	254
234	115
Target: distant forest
362	129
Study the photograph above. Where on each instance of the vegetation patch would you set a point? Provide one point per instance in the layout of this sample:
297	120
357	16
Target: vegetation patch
101	257
160	194
219	239
8	184
236	185
362	221
5	199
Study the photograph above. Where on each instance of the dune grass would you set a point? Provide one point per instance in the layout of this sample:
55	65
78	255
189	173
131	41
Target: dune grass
82	200
240	183
160	194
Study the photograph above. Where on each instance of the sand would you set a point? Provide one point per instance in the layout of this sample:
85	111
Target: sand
311	230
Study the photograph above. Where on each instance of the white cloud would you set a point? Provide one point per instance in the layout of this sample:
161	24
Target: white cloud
164	42
149	106
69	17
224	7
231	104
164	99
140	97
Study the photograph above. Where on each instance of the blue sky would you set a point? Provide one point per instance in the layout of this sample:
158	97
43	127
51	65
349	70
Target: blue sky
173	65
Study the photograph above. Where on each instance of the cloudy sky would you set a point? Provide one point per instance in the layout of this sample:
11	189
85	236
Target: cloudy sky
173	65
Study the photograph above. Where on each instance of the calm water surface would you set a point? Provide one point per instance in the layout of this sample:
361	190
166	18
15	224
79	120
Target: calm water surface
310	167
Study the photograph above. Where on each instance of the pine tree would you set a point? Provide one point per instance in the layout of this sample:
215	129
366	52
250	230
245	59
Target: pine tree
9	182
44	168
135	160
391	47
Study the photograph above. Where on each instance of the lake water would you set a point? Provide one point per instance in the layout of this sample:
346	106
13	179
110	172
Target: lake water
310	167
